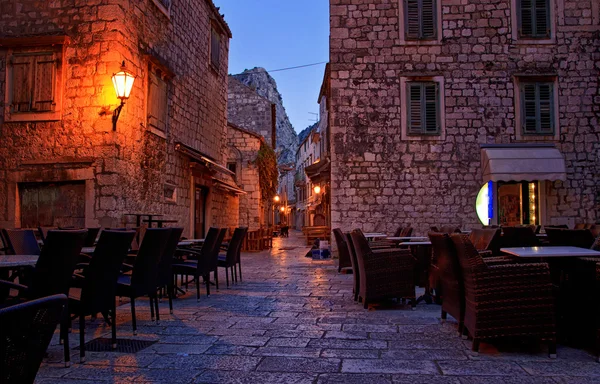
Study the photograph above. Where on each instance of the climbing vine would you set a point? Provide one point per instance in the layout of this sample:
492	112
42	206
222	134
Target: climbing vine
268	174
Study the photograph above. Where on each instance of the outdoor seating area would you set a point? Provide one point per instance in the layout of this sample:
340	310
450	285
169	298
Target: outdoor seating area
55	276
497	282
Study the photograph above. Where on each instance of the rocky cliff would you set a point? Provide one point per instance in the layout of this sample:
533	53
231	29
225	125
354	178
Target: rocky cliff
287	140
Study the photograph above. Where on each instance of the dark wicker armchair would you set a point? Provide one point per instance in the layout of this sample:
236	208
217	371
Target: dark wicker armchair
344	255
384	274
487	239
25	334
581	238
519	237
506	299
355	269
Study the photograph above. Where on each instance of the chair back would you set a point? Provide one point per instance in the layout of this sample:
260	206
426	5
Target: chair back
100	283
53	271
406	231
470	261
486	239
25	334
239	251
450	229
581	238
21	242
207	247
145	267
596	245
212	261
353	262
342	246
43	232
361	248
90	238
235	246
446	260
165	265
519	237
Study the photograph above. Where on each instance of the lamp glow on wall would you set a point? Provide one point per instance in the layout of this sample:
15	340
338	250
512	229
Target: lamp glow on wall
282	209
276	198
123	83
317	189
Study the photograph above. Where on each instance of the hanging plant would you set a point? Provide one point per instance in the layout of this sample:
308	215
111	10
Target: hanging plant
268	174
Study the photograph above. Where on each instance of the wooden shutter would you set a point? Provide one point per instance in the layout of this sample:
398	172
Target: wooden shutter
542	18
215	48
545	108
526	18
529	108
157	101
430	112
44	83
428	19
22	82
414	115
412	23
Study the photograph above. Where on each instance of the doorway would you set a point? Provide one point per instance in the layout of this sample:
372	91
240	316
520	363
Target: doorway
201	195
518	203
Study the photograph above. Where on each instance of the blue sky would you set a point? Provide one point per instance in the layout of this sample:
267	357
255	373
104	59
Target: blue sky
276	34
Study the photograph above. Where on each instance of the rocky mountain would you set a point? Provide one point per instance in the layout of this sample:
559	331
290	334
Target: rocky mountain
305	132
264	84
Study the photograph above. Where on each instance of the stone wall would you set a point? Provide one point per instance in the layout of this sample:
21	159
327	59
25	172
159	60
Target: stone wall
380	181
243	149
247	109
126	169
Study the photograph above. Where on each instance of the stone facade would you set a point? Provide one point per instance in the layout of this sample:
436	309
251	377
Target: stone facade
382	179
134	168
243	148
247	109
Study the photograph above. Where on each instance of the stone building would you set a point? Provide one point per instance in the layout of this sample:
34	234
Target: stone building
243	148
431	100
62	162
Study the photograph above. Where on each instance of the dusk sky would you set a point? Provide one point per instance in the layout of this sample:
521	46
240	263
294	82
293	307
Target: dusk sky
276	34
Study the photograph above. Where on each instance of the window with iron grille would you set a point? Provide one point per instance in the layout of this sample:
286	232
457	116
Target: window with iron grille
420	19
423	108
215	48
537	108
534	18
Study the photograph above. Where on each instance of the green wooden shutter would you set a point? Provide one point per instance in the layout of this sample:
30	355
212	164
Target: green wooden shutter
44	84
542	18
428	19
526	23
414	111
22	82
431	110
412	22
545	108
534	18
528	108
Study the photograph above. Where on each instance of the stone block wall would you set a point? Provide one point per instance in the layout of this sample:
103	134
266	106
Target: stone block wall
243	149
247	109
380	181
126	169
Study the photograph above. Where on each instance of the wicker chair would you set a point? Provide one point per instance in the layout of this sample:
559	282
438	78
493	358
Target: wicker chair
487	239
25	334
507	299
354	263
340	240
384	274
519	237
581	238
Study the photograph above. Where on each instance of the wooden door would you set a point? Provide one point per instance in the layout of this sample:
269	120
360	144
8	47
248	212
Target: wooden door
201	194
52	204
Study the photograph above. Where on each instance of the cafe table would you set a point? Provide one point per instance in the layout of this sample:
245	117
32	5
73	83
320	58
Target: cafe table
407	238
375	235
16	261
411	243
189	242
88	250
550	252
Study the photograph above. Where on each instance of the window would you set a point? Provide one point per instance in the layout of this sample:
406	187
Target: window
170	192
537	108
423	108
164	6
215	47
34	80
420	19
232	167
534	18
158	108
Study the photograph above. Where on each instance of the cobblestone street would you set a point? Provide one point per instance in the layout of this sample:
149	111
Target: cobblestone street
292	320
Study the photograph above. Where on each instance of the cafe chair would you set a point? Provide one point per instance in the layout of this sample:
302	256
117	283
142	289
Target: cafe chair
342	246
25	334
238	258
165	278
140	279
21	242
385	273
354	263
228	260
95	284
505	300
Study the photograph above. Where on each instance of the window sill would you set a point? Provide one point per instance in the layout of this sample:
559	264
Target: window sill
525	41
421	42
156	132
537	137
439	137
31	116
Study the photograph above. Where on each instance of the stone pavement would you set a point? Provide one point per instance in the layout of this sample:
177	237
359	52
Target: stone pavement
292	320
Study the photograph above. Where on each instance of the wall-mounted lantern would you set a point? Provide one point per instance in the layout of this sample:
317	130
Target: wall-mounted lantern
317	189
123	82
282	209
276	198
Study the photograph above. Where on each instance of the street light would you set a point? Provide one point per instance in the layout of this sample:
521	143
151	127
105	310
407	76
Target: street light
123	82
276	198
317	189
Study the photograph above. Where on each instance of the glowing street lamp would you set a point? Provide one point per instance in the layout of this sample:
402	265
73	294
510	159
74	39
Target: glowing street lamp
277	198
317	189
123	83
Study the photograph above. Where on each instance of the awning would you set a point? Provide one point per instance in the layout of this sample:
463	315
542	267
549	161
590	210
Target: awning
319	172
198	156
520	162
228	187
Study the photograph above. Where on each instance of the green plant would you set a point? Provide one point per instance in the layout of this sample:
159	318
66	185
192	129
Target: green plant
268	174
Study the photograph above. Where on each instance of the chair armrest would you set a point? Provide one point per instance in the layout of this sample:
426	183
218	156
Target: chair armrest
485	253
11	285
